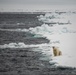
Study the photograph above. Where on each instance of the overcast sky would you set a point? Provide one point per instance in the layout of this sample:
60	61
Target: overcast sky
22	5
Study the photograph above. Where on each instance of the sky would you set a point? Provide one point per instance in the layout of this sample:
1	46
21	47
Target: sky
23	5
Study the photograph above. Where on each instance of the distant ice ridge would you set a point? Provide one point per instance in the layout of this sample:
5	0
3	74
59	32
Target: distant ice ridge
54	18
18	30
45	28
21	45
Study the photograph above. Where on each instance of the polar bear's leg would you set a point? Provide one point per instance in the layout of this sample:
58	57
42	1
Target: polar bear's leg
60	53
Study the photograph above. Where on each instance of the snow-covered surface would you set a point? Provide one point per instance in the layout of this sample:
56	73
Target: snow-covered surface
68	47
62	36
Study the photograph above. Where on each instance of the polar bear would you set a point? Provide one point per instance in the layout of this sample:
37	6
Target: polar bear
56	51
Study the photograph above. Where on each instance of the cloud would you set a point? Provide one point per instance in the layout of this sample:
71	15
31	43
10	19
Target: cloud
38	2
34	4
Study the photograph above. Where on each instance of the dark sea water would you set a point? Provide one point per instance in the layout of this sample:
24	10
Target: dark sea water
19	21
19	52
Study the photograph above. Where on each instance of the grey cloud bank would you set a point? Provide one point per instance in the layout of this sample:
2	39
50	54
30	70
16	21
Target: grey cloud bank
16	5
